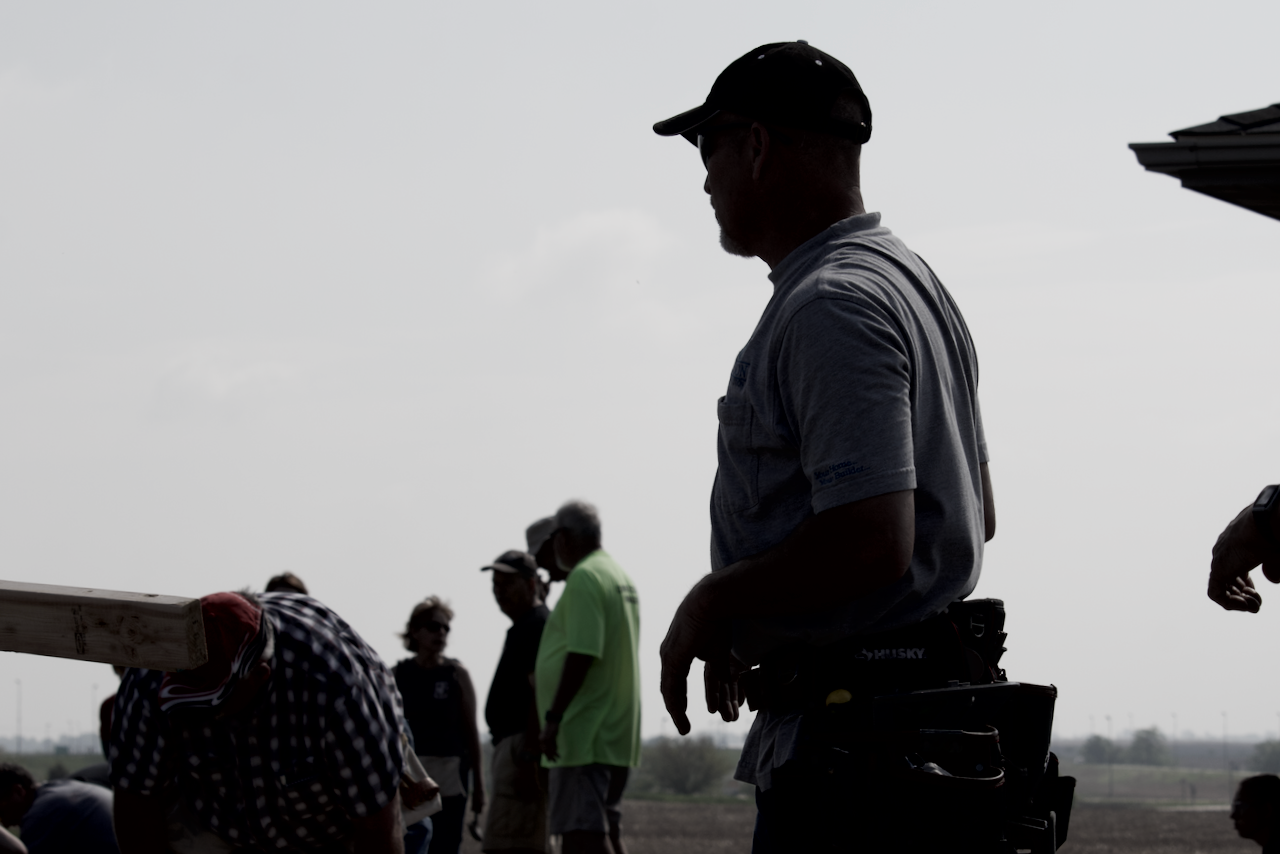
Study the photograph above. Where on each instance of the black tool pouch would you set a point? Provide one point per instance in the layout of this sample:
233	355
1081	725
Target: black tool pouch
920	725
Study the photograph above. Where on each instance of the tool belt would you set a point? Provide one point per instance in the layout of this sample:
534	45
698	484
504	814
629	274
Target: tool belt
922	725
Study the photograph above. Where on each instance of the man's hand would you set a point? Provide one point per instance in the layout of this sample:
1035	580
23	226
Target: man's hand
548	741
695	633
1240	548
830	559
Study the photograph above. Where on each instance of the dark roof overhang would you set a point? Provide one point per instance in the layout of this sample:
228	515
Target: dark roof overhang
1235	159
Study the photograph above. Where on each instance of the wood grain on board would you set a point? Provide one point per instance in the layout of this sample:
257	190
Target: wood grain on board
131	629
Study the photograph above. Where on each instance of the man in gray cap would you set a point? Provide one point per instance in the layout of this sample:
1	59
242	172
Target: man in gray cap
538	538
517	817
852	495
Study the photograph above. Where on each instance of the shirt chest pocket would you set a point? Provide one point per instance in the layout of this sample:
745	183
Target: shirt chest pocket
737	485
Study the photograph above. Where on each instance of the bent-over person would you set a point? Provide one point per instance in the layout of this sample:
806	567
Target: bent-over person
287	738
56	817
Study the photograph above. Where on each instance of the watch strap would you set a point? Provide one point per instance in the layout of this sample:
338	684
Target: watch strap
554	717
1264	511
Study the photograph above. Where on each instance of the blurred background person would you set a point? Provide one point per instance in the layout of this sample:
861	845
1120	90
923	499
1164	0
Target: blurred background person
588	687
440	707
537	538
286	582
55	817
517	817
1255	810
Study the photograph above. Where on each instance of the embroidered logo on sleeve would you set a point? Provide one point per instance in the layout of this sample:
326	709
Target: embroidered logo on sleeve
838	471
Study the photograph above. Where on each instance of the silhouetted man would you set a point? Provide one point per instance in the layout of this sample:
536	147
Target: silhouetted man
852	496
517	818
1255	811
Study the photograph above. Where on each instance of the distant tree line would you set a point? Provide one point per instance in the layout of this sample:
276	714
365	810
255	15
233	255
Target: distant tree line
682	766
1148	747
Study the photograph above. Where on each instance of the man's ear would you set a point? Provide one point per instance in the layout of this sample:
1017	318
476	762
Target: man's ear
760	147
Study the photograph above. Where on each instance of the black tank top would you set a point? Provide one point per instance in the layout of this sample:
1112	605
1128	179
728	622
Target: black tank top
433	707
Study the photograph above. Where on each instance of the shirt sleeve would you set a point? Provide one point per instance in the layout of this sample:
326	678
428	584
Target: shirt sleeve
983	457
362	745
140	753
584	628
846	379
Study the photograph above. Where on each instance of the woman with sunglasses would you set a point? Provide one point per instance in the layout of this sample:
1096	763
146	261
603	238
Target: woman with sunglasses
440	708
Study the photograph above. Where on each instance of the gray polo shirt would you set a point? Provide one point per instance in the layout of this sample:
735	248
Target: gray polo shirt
859	380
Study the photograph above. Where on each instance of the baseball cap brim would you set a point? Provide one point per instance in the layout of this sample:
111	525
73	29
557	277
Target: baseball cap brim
501	567
684	123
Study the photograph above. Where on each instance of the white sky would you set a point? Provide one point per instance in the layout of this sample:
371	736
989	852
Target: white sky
361	291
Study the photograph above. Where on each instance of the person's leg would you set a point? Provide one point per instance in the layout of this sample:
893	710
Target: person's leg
612	806
577	809
417	837
446	836
516	815
804	810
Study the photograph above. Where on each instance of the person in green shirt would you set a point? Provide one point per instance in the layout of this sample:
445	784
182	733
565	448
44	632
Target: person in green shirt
588	687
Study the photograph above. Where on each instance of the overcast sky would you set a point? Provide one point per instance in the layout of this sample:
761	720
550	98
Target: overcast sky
360	292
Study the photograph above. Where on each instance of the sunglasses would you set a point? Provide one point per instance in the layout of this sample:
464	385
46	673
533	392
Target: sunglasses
436	626
706	139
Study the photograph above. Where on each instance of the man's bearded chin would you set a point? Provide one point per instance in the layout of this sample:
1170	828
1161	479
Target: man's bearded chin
733	247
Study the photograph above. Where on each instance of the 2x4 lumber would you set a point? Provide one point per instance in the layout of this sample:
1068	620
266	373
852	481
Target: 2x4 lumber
130	629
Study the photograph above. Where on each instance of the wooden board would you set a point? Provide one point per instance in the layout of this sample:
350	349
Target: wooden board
130	629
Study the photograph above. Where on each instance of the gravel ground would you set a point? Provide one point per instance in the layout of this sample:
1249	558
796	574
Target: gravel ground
653	827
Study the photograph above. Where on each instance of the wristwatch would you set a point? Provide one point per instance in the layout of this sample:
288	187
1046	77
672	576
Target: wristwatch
1263	511
554	717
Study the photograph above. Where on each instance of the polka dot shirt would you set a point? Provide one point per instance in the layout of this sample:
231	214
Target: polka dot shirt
320	746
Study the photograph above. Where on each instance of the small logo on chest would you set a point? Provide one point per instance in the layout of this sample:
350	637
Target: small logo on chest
442	691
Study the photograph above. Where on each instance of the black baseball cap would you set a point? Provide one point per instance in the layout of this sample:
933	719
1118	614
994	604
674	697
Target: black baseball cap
514	562
792	83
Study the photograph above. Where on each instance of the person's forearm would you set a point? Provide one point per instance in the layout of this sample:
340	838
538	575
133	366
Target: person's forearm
10	844
380	833
532	726
988	504
140	823
477	760
832	558
576	665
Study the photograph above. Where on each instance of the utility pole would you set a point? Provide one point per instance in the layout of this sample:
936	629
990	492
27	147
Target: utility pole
1111	768
1226	760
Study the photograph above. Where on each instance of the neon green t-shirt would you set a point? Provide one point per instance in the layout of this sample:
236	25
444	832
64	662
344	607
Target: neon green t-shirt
598	615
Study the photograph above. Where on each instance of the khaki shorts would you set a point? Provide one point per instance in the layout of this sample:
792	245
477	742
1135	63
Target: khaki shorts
585	798
517	812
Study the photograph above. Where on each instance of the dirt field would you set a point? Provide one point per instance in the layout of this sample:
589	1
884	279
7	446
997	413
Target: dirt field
653	827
